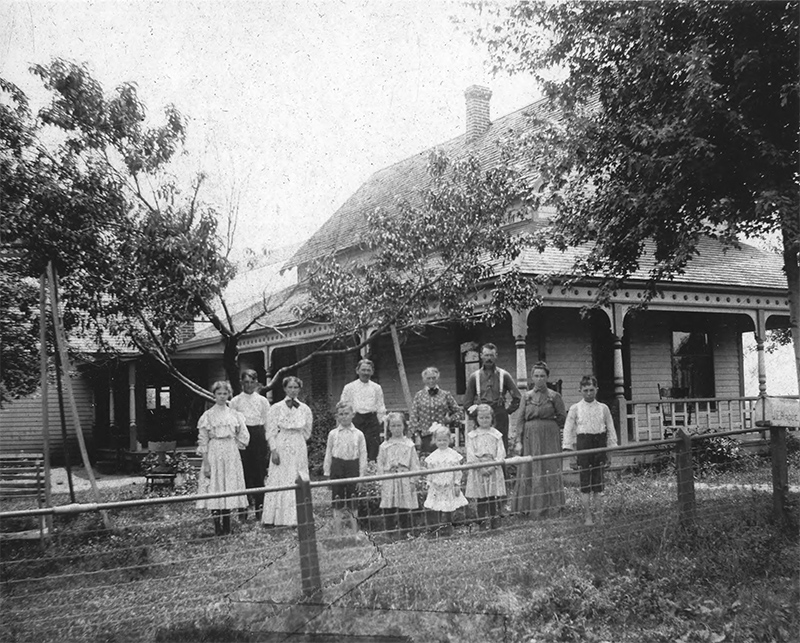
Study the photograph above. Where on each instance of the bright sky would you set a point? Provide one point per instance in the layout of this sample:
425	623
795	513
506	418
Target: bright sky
292	104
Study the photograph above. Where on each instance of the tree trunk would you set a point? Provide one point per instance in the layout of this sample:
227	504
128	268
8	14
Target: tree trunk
230	362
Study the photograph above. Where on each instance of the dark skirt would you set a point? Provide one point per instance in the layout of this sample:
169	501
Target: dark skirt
540	487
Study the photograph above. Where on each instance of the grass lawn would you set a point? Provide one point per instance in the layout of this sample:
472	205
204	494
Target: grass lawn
161	575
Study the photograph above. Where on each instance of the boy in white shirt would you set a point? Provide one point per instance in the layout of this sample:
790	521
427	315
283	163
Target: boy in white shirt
345	457
589	425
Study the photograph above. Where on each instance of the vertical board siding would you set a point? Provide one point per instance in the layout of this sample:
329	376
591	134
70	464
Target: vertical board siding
21	420
651	356
436	348
568	350
727	363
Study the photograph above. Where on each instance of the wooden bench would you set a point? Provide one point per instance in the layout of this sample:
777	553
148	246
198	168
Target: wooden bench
21	477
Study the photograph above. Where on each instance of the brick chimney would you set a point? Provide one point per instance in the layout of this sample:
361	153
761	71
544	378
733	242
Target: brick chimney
477	111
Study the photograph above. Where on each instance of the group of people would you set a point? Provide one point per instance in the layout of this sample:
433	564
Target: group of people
236	439
277	434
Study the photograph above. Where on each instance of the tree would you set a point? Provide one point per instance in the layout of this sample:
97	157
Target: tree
137	256
676	120
428	259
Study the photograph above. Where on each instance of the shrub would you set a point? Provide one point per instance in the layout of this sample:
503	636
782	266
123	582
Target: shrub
716	454
324	421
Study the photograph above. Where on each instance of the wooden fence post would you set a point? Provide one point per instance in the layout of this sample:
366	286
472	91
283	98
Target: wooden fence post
780	472
307	535
685	472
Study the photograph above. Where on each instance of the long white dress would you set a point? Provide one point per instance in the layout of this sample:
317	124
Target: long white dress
221	433
444	489
287	432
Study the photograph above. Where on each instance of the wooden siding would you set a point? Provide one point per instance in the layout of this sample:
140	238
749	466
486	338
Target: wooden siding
727	341
567	350
437	348
21	420
650	355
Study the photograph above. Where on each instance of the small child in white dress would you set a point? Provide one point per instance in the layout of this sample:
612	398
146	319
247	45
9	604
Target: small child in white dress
444	489
487	486
398	496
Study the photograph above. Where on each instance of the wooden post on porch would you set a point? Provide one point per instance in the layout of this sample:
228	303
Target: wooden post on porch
685	474
307	537
780	473
519	328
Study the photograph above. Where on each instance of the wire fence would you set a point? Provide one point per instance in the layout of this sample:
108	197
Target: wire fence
367	572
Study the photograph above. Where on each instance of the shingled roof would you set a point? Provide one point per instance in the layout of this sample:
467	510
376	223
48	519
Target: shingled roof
405	179
715	264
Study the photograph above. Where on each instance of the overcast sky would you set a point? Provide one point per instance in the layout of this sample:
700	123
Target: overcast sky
291	104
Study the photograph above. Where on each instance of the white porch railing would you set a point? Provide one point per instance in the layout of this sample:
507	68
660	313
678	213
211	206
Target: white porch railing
652	419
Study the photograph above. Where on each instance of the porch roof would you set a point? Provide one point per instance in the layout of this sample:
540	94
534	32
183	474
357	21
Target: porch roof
716	268
715	265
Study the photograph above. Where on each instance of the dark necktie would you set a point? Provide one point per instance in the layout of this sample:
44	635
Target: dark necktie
292	403
433	391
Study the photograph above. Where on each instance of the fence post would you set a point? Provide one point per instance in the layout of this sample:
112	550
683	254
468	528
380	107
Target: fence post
685	472
780	472
307	536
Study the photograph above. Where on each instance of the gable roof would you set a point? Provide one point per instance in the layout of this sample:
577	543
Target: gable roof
346	228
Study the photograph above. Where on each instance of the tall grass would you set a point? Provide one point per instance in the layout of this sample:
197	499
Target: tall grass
161	575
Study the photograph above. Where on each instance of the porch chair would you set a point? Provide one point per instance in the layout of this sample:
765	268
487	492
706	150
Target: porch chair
673	413
163	474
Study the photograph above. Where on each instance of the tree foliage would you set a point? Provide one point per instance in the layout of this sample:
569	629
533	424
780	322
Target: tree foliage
133	260
676	120
430	256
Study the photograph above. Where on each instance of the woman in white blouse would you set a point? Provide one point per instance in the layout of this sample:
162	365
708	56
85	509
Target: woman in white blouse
288	428
221	434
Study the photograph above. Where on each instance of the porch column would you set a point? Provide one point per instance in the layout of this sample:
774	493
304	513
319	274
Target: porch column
112	423
519	328
133	442
761	334
267	350
621	412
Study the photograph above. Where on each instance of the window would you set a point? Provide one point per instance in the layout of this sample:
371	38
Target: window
157	397
692	364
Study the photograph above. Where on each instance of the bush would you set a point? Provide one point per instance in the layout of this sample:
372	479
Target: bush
324	421
716	454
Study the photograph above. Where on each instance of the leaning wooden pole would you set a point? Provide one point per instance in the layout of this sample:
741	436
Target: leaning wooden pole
45	401
401	368
61	346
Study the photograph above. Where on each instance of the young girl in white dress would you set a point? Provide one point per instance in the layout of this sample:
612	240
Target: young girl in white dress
289	425
221	433
444	489
487	486
398	496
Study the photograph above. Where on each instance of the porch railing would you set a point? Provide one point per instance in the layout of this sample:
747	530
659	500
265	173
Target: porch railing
645	420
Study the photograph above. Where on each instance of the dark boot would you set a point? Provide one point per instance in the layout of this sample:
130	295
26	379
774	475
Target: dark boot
226	522
217	524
